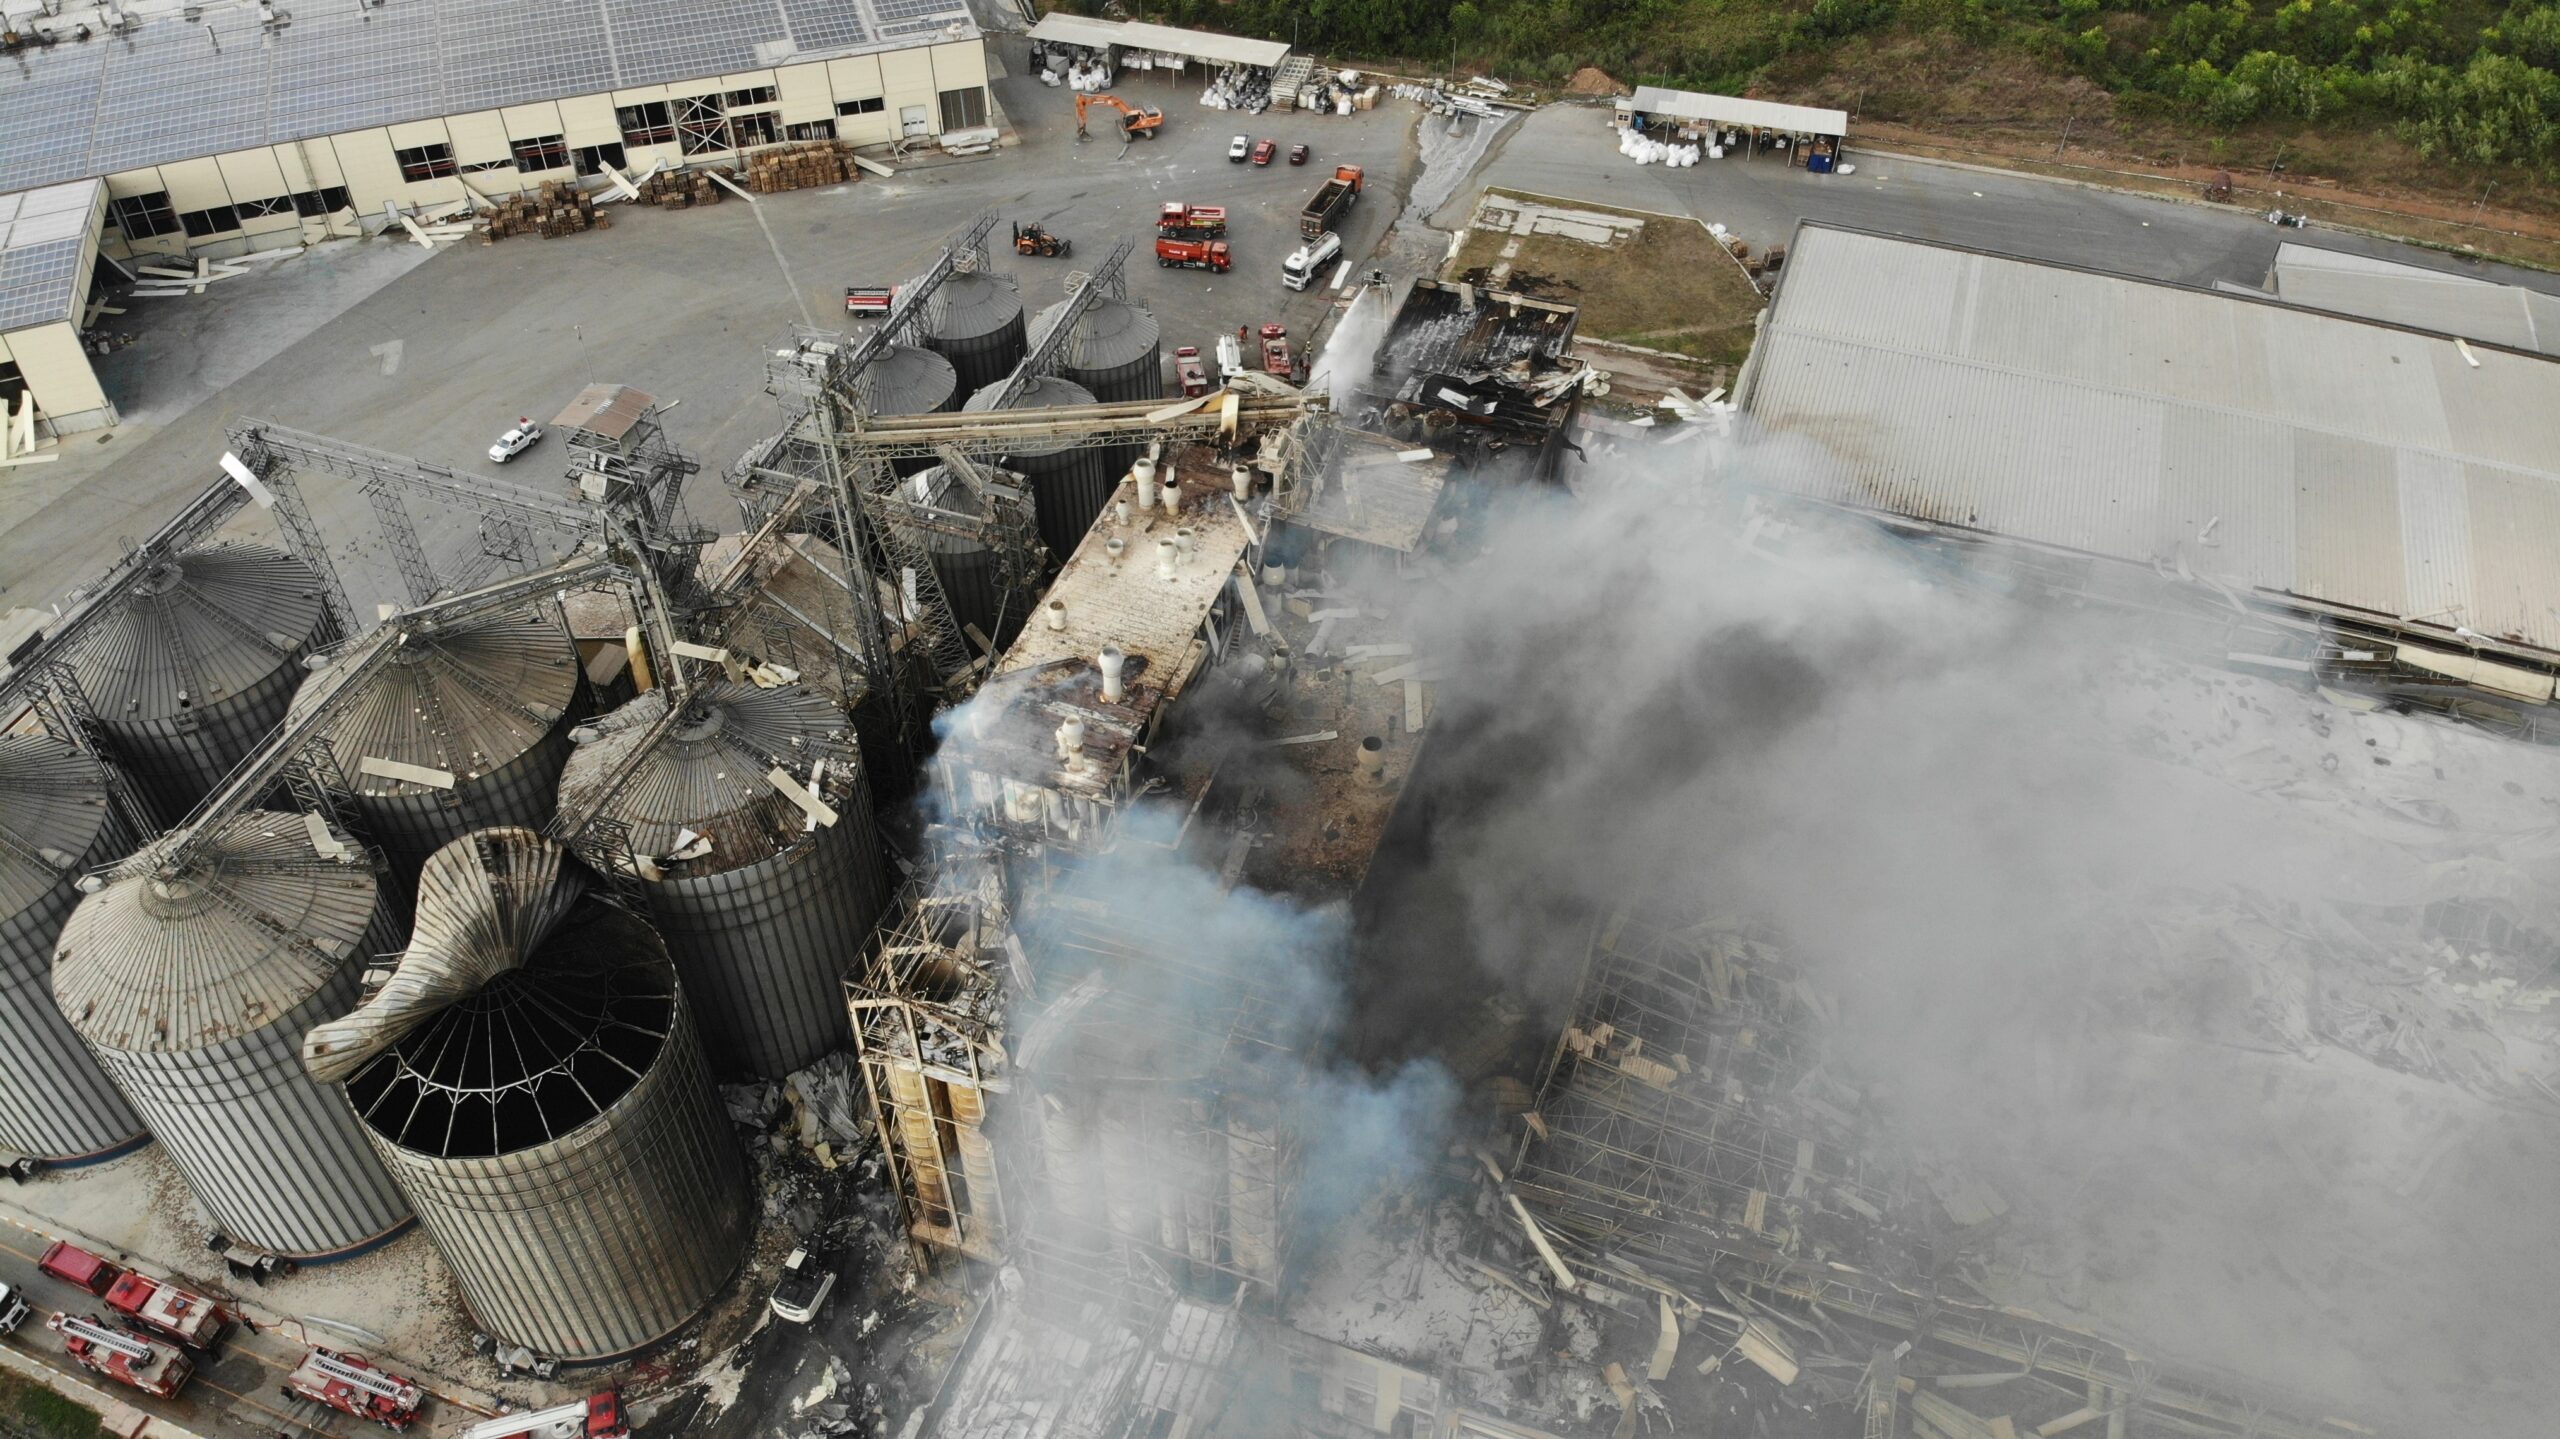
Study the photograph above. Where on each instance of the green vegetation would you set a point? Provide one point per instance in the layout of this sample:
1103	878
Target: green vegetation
2461	80
28	1410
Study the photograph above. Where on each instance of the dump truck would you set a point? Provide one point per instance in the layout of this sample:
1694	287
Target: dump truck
121	1357
353	1384
1331	203
598	1416
162	1308
1178	221
1193	255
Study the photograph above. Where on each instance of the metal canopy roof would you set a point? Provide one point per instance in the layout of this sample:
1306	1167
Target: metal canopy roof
1734	110
605	410
2397	293
41	235
1160	39
171	88
2335	460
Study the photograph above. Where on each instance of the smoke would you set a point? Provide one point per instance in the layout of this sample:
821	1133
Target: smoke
1351	350
2070	890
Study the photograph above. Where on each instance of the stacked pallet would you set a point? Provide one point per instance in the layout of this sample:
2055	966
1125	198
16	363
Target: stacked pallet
680	190
553	210
801	165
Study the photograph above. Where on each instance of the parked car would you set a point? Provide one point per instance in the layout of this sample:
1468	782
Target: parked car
1297	154
515	441
1239	147
1263	151
802	1291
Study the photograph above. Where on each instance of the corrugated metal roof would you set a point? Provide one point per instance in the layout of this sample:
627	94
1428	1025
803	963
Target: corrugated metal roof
2266	446
254	924
606	410
202	627
465	700
53	806
1159	39
707	773
42	233
2397	293
1735	110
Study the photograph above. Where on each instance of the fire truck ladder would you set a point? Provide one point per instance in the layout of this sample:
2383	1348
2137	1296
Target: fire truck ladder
99	1336
356	1376
565	1419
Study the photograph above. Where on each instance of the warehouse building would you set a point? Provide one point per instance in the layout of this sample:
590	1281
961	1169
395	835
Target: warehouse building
2378	480
2398	293
224	128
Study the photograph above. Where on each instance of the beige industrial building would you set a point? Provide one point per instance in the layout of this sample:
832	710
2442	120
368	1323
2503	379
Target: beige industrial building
220	129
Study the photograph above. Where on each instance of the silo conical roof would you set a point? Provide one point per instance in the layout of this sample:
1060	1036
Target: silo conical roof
53	808
198	628
1111	333
172	956
706	773
908	380
969	304
467	699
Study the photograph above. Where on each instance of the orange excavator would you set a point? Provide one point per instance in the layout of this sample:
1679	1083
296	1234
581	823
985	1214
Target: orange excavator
1135	120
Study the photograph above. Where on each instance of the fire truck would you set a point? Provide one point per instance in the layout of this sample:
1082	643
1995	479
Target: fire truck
1178	221
1276	356
350	1384
598	1416
1193	255
76	1266
166	1310
121	1357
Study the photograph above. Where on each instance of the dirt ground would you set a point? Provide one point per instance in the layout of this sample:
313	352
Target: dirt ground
1672	270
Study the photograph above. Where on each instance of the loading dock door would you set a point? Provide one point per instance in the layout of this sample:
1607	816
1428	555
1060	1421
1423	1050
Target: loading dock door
912	121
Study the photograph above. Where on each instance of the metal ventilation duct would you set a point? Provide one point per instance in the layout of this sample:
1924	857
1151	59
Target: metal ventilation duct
193	984
1069	486
1116	350
763	905
532	1079
462	729
974	320
54	826
194	669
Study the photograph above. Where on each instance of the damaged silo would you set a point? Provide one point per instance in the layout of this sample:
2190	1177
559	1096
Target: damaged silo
974	320
55	1103
459	729
765	889
1069	483
972	578
192	974
193	666
531	1076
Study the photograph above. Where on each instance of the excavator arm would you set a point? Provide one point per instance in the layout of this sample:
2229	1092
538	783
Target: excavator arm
1135	121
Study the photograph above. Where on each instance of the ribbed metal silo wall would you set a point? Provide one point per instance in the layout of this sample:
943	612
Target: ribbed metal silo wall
1118	353
1069	485
910	380
764	949
277	1159
55	1103
176	760
524	791
604	1241
975	321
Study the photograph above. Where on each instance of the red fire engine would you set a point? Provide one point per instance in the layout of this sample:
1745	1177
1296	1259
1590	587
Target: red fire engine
1178	221
121	1357
350	1384
598	1416
77	1266
165	1309
1276	357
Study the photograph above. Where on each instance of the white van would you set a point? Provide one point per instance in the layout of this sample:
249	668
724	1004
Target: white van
1306	262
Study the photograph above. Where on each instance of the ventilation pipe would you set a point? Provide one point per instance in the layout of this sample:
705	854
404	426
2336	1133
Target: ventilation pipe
1112	659
1055	612
1167	553
1071	742
1145	471
1242	479
1371	765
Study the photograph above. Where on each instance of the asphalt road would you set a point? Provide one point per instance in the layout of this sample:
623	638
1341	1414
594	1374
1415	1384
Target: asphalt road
1572	152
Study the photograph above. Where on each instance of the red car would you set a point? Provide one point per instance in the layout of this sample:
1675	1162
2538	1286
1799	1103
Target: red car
1263	150
1297	154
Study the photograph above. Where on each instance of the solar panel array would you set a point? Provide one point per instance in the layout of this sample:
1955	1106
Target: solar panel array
171	89
41	235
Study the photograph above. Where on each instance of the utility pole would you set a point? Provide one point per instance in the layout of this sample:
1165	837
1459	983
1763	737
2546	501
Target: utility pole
2478	209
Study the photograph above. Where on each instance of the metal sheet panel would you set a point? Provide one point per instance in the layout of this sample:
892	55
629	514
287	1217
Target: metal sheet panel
2515	564
2435	537
2226	496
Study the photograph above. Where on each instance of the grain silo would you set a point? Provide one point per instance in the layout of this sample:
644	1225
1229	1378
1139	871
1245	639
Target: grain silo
193	666
192	974
531	1077
1069	484
764	901
908	380
974	320
1115	350
966	566
458	730
55	1103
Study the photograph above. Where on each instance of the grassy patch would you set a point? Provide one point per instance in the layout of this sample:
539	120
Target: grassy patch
28	1408
1670	288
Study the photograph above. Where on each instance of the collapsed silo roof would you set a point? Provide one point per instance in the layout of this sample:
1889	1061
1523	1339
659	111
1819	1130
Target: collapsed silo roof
172	955
53	806
465	700
197	628
697	793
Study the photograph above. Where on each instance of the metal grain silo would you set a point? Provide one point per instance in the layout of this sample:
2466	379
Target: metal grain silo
531	1078
974	320
192	974
193	667
965	565
55	1103
459	730
1069	486
763	907
908	380
1116	350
